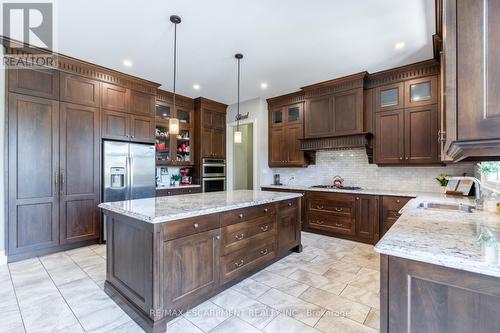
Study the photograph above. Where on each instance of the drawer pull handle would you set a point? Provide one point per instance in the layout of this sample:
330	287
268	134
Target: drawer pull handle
319	207
240	236
266	210
319	222
338	209
239	263
196	225
264	227
338	225
263	252
240	216
217	237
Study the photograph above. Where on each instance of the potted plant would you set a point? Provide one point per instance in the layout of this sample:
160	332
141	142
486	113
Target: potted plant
443	181
176	179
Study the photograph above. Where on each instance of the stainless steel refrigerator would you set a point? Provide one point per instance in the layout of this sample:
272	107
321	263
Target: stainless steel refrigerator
129	172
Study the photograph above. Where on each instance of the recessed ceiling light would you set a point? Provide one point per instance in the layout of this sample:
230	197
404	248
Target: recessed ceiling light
127	63
196	87
399	45
263	85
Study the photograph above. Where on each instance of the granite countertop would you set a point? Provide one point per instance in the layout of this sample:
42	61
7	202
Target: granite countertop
446	238
177	187
399	193
163	209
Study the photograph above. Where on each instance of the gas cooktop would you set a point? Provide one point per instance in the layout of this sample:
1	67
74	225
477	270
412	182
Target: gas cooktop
337	187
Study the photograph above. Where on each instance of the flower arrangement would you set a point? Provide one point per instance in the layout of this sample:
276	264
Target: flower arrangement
442	179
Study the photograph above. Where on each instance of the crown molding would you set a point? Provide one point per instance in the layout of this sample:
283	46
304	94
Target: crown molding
332	86
403	73
295	97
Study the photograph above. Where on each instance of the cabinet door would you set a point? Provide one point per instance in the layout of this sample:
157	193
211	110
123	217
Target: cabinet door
191	269
390	211
389	97
289	226
115	125
294	113
206	142
142	129
347	114
276	147
478	69
291	145
79	169
276	117
219	143
35	82
318	120
115	98
207	118
421	135
367	217
80	90
142	103
423	91
389	137
33	165
219	120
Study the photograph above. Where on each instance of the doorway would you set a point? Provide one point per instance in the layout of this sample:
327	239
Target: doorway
243	158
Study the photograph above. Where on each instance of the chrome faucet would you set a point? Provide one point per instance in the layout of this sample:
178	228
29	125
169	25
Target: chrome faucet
477	189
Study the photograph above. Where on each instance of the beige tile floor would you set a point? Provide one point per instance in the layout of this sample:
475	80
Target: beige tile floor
332	286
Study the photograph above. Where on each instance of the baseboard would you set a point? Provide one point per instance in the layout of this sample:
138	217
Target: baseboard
3	258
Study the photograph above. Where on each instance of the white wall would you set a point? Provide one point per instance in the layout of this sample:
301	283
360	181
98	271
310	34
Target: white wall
257	109
243	159
3	258
352	165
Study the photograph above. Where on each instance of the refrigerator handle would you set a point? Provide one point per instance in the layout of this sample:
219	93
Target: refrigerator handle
131	175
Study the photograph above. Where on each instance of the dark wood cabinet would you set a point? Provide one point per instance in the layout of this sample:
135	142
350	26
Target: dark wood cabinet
390	207
390	97
33	188
318	120
389	131
115	97
191	270
367	217
286	128
422	297
289	225
79	167
163	192
34	82
210	125
142	103
422	91
472	79
127	127
80	90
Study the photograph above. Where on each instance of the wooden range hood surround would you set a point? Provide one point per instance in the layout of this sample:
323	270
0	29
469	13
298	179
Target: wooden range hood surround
327	103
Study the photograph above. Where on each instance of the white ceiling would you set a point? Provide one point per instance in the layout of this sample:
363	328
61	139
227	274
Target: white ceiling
286	43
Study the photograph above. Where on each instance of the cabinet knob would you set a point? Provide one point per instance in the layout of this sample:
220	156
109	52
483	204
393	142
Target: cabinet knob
289	204
217	237
240	216
338	225
266	210
398	201
357	198
407	158
133	136
196	225
401	158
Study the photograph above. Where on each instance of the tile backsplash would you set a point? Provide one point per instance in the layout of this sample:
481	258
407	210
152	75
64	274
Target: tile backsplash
352	165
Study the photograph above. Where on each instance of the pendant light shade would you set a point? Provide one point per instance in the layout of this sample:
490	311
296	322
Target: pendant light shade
237	133
173	123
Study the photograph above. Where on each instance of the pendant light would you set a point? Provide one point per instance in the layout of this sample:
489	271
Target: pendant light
173	123
237	134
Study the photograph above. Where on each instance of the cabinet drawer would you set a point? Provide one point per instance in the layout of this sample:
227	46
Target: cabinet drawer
245	214
240	235
331	222
341	205
390	210
288	204
238	263
190	226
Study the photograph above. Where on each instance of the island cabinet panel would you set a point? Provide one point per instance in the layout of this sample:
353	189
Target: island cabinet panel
390	207
191	269
289	226
421	297
241	235
367	217
187	227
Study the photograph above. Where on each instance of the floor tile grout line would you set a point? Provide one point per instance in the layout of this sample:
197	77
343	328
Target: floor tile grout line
17	299
62	296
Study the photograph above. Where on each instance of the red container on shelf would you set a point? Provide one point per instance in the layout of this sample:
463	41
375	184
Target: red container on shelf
160	146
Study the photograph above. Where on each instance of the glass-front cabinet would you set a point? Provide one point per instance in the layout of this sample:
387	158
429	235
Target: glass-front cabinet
174	149
389	97
287	115
423	91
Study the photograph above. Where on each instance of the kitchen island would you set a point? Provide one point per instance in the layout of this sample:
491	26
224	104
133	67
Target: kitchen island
166	255
440	269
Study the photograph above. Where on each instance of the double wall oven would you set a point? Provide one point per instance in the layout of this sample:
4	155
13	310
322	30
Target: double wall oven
213	173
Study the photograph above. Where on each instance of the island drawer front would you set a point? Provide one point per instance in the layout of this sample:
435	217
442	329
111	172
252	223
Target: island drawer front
288	204
240	235
245	214
334	203
331	222
390	210
238	263
190	226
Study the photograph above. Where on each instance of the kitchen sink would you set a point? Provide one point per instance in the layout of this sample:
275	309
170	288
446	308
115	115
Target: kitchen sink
444	206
